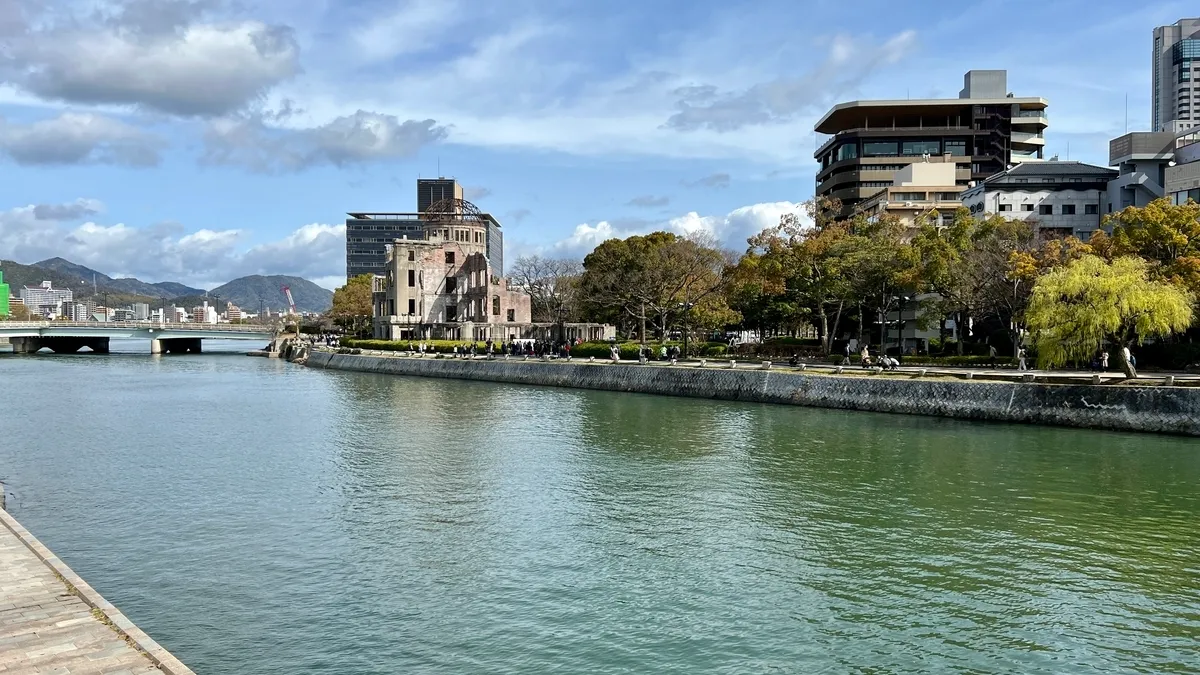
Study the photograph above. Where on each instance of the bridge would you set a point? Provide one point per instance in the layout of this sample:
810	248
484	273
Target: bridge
68	337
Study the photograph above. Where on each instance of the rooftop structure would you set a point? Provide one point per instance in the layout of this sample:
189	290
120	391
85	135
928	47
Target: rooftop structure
983	131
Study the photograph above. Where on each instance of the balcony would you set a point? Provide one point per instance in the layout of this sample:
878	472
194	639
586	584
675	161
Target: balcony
1028	139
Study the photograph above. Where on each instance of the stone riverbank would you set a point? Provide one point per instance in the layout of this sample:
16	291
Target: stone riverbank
1174	410
52	621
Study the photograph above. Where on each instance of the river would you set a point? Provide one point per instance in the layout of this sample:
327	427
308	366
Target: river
261	518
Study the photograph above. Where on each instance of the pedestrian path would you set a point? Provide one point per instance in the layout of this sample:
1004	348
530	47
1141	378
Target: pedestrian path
47	628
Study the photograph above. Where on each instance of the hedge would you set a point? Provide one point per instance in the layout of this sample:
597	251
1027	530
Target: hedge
434	346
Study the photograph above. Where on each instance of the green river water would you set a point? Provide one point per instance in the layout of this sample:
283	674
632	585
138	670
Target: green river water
260	518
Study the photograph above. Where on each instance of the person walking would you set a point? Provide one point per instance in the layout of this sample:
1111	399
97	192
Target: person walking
992	356
614	352
866	357
1104	361
1021	359
846	350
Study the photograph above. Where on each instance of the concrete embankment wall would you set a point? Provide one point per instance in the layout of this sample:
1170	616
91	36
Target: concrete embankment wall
1155	409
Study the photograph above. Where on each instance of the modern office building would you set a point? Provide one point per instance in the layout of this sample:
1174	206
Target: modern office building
983	131
369	233
1176	76
141	311
918	190
1060	198
433	190
1141	159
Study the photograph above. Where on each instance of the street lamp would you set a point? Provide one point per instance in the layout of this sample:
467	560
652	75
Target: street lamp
106	308
687	309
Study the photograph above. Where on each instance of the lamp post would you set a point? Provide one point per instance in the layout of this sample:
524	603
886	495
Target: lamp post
217	308
687	309
106	308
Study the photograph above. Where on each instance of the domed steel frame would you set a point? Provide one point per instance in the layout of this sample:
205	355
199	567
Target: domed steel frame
452	211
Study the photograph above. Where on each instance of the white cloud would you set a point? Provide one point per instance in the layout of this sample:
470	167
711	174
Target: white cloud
731	230
151	53
361	137
78	138
168	252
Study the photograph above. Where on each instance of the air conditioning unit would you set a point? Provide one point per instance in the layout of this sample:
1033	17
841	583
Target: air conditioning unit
908	203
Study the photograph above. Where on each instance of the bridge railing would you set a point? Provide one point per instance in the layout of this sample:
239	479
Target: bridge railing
216	328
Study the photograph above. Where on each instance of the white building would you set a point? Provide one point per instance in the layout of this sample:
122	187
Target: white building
141	311
1059	198
1183	179
45	299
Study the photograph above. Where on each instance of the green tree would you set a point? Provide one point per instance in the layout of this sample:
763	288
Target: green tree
1076	308
1166	234
352	305
649	279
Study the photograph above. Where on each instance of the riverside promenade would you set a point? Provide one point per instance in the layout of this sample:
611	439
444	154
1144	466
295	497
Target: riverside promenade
52	621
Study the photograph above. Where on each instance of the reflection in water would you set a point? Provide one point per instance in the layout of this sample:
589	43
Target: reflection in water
261	518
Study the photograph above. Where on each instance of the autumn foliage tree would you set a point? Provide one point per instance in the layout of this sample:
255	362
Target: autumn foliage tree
352	306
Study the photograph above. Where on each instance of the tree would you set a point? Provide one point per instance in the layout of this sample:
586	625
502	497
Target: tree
1076	308
1166	234
352	305
651	278
19	312
552	285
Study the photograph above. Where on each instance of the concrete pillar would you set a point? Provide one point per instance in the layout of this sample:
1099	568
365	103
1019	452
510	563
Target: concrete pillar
26	345
156	346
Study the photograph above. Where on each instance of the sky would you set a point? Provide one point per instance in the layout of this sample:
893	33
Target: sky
201	140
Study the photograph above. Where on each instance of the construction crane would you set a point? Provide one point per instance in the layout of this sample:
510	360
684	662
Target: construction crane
287	292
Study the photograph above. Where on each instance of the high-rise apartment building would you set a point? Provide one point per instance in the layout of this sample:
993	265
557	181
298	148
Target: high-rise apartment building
983	131
368	234
432	190
1176	76
45	299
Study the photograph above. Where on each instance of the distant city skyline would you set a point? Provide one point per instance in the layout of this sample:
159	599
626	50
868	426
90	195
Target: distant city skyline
569	123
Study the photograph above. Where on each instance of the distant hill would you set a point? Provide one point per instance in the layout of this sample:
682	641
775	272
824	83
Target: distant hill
128	286
17	275
245	292
163	289
248	292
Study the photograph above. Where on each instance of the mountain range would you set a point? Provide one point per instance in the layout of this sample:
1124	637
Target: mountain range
250	293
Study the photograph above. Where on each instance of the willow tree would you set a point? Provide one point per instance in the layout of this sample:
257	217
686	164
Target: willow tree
1076	308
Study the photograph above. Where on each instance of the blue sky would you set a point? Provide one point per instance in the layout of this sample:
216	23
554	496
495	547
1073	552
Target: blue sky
199	140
